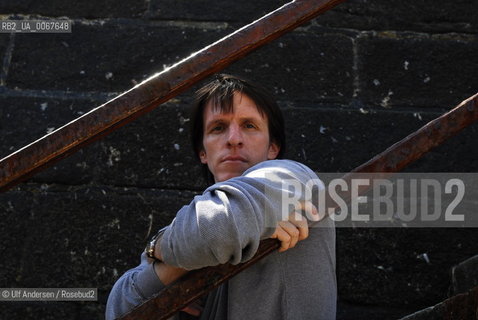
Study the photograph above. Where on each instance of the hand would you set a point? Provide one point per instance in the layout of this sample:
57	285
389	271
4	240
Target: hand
296	227
194	309
168	274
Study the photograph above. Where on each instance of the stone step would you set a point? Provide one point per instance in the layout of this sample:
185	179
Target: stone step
463	305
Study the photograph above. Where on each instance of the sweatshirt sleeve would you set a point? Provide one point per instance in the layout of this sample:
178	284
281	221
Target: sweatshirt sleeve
227	222
133	288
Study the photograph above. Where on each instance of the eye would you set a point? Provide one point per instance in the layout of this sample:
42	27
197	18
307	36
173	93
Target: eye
250	125
217	128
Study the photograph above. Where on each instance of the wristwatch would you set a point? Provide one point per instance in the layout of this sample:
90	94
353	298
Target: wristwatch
150	247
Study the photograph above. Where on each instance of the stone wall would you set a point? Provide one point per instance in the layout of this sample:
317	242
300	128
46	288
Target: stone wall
351	83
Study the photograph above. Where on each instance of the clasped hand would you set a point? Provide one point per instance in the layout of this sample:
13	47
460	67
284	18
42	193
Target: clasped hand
296	228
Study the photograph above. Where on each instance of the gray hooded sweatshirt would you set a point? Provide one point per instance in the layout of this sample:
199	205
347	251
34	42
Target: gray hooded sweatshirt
226	224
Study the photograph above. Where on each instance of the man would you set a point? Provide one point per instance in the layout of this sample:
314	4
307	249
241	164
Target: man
237	132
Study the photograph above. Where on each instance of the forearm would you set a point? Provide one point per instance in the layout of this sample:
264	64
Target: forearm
133	288
166	273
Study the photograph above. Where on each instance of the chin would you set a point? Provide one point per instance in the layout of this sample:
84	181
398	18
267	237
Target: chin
228	175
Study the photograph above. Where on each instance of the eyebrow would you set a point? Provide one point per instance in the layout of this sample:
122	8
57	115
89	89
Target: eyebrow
213	122
222	120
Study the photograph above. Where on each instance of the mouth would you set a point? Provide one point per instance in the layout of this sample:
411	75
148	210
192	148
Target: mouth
234	159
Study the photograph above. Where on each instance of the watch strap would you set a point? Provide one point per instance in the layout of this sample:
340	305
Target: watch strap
151	246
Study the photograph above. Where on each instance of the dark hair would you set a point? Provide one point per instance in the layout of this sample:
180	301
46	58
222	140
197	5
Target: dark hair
221	92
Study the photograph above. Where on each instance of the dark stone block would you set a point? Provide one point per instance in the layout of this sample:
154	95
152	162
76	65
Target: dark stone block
426	15
38	310
464	276
14	216
81	236
151	152
336	140
215	10
78	9
303	66
299	70
24	120
461	306
457	154
387	266
349	311
102	57
430	313
416	70
92	311
76	169
4	40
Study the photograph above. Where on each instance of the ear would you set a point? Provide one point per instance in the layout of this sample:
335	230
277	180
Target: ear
273	151
203	156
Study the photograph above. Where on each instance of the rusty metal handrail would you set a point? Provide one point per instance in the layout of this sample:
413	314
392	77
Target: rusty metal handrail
156	90
191	286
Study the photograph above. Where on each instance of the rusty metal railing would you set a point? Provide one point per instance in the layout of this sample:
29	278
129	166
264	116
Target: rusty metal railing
157	89
191	286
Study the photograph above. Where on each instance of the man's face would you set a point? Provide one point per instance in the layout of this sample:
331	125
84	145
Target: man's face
234	142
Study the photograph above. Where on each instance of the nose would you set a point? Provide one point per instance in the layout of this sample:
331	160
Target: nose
234	138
